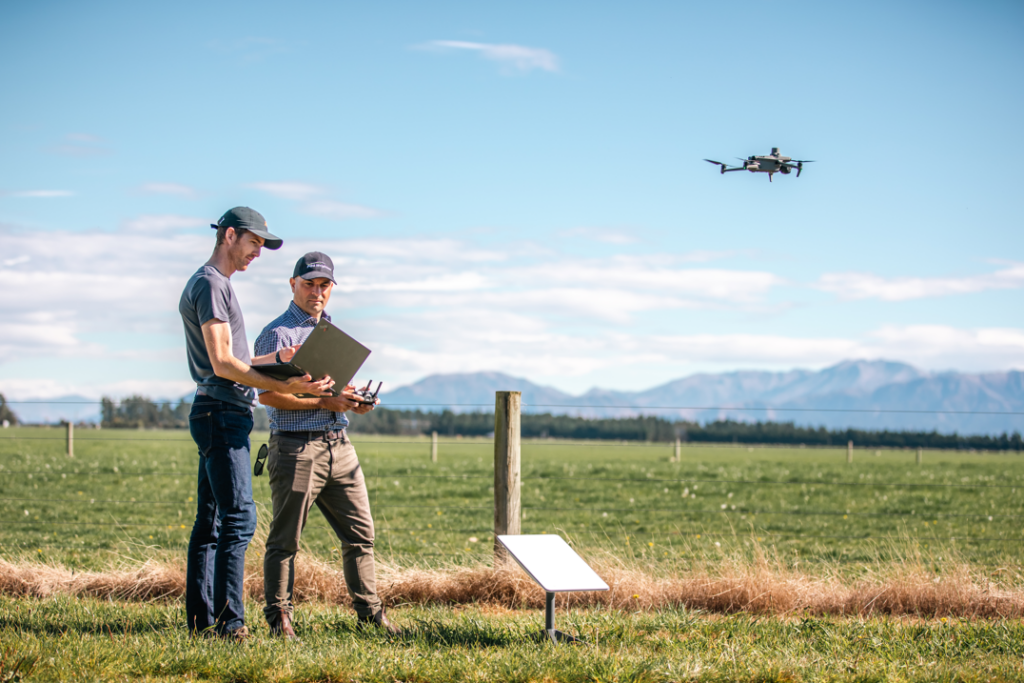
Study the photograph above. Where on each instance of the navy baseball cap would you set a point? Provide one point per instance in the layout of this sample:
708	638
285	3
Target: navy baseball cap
313	265
244	218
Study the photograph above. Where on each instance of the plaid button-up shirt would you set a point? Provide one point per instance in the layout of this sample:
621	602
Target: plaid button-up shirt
290	329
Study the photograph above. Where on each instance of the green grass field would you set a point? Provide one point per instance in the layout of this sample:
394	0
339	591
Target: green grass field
88	640
127	496
130	493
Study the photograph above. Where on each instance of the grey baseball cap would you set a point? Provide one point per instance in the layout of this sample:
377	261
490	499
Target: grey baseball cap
244	218
313	265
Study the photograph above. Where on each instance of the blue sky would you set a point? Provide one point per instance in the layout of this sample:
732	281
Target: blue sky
516	186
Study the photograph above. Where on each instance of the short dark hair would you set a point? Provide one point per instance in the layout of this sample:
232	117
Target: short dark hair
222	232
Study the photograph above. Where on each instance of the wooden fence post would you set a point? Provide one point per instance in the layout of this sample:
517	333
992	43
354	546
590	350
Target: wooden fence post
433	447
507	510
71	439
849	451
919	454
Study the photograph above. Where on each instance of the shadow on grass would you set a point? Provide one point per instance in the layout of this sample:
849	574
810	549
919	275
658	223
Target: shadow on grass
465	631
44	624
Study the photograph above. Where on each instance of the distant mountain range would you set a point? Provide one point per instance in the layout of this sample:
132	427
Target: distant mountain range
819	398
850	394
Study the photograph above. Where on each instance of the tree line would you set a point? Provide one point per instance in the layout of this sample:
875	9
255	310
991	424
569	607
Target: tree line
655	429
139	412
6	414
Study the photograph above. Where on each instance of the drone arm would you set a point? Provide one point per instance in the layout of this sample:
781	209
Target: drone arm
795	165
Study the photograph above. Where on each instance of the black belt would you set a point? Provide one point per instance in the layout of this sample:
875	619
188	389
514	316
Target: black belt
323	434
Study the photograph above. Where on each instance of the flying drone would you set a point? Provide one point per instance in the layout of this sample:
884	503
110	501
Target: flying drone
770	164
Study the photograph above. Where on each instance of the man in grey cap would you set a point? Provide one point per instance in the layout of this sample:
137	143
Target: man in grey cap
312	461
220	422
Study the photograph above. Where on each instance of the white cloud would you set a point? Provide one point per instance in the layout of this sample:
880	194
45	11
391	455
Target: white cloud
441	282
110	284
156	223
757	349
174	189
655	273
328	208
289	190
313	202
477	342
430	305
386	252
869	286
517	57
38	194
704	256
601	235
82	145
927	343
38	389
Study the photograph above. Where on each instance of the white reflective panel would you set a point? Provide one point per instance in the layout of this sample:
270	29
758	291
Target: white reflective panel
549	560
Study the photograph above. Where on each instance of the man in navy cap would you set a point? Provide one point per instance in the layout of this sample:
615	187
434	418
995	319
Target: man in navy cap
312	461
220	422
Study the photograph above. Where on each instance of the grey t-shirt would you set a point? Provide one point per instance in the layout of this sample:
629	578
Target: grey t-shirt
209	295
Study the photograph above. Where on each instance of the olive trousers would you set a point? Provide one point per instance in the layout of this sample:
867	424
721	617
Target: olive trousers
324	471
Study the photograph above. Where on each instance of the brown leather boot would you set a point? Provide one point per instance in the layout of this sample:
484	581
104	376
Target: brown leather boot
381	621
283	628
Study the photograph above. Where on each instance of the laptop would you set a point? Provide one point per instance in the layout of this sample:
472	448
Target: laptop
326	351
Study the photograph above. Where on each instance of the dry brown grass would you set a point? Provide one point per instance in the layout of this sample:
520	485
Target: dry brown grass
727	585
150	581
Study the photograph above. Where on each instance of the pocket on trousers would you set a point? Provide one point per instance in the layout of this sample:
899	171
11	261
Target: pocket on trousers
289	465
200	426
233	427
290	446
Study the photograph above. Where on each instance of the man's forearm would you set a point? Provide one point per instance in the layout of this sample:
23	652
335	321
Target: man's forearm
235	370
265	359
217	336
289	401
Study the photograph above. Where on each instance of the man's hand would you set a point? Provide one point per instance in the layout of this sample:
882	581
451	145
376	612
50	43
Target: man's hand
339	404
287	353
361	407
306	385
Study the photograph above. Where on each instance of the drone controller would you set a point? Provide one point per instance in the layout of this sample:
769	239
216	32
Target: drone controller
365	397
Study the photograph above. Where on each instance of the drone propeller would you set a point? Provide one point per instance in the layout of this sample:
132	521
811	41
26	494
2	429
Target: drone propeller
801	161
718	163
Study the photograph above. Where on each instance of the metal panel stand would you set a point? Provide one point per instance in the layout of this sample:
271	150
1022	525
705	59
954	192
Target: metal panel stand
549	622
549	561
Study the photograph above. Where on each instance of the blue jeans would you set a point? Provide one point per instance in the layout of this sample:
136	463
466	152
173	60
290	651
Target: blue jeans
225	516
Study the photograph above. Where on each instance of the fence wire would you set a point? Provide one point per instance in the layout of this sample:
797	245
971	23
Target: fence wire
541	477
